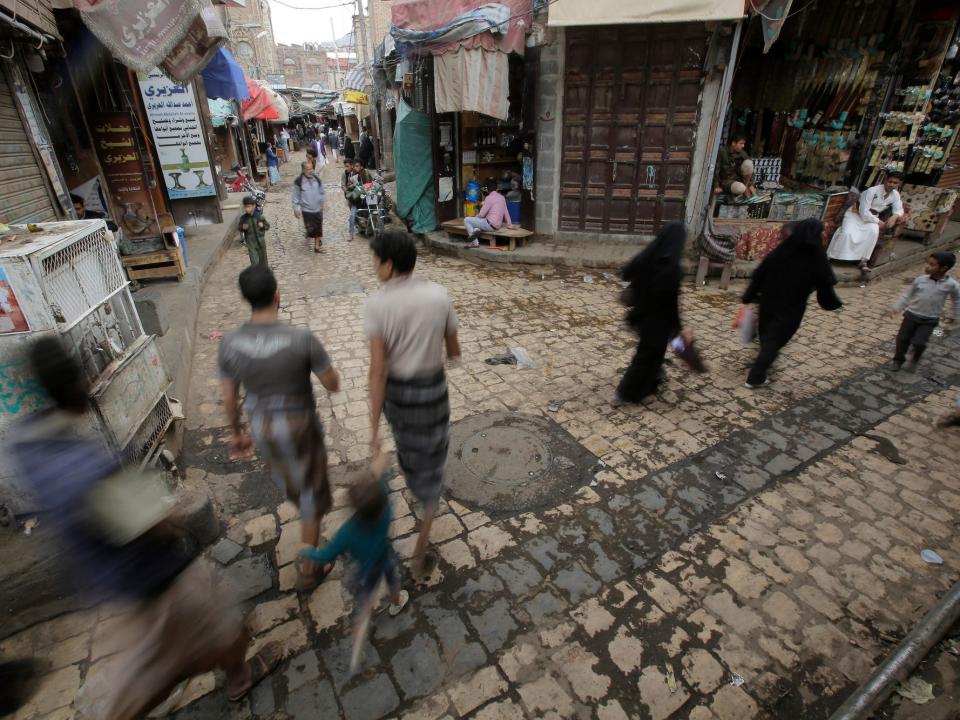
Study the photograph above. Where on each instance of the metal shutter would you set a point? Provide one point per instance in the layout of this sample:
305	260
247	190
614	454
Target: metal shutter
23	187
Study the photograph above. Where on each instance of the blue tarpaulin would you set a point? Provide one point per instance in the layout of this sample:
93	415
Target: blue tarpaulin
223	78
413	157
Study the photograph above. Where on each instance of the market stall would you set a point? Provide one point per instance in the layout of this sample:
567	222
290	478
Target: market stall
464	65
834	102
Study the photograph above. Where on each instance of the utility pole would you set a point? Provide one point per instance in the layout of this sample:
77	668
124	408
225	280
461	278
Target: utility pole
364	34
336	59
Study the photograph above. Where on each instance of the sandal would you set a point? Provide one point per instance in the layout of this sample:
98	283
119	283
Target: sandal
398	608
307	581
427	565
261	665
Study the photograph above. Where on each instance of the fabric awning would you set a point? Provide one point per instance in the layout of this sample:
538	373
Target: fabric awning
446	16
618	12
223	78
357	78
220	111
279	106
260	105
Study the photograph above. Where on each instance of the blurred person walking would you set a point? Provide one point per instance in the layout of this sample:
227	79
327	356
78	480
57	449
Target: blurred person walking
653	311
781	286
273	362
178	617
409	323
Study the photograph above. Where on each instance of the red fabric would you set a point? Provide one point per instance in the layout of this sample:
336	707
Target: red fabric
757	243
259	106
431	14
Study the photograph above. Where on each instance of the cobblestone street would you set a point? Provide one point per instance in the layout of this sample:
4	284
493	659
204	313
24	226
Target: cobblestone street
737	554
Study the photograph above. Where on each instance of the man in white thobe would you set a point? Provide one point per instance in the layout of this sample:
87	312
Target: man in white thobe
857	237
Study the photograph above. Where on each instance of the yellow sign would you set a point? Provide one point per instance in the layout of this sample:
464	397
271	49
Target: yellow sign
356	97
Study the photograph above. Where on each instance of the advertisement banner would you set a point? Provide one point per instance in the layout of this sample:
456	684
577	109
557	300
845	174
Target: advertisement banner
178	136
116	146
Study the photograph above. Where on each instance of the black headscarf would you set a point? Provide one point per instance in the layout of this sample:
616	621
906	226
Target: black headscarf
657	268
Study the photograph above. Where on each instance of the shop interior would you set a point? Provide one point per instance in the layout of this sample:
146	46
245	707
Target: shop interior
847	93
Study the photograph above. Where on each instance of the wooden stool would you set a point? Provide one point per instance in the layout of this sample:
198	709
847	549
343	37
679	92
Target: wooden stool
704	267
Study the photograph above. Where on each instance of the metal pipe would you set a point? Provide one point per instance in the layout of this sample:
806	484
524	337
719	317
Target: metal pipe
25	29
912	649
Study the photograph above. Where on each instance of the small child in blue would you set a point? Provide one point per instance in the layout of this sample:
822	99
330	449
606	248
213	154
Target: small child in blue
365	538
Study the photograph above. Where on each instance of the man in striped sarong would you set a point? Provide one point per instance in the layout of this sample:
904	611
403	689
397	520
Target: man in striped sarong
408	324
273	361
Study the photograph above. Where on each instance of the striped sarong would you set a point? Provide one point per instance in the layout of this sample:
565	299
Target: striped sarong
418	411
289	436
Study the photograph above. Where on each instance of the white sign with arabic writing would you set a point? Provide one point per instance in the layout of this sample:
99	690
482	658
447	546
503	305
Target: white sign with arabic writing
178	135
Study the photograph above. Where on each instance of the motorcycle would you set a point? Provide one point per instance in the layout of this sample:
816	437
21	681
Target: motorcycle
372	218
243	184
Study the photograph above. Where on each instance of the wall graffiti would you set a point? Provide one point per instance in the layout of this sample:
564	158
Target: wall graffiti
19	391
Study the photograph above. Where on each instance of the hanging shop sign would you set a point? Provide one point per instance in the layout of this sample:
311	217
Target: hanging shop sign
180	34
178	136
119	155
356	97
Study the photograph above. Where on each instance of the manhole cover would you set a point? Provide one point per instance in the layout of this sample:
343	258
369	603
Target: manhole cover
504	463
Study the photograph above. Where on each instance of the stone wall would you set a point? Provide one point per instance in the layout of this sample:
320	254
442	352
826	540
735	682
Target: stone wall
549	129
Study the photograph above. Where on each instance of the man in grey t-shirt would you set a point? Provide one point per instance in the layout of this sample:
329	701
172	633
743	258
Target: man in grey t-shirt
274	362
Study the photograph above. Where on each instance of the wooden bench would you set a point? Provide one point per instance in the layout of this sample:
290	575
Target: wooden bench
455	227
163	263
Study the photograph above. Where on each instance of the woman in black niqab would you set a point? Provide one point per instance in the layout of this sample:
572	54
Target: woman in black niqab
654	310
782	285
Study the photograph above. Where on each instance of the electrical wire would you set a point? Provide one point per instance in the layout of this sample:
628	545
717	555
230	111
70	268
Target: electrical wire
773	19
324	7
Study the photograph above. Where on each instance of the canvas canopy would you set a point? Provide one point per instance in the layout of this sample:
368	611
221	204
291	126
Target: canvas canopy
618	12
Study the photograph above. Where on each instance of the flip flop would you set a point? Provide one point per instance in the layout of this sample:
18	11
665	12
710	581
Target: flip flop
308	581
398	608
261	665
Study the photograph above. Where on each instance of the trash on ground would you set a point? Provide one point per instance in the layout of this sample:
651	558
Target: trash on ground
29	525
953	647
915	690
215	335
608	276
588	279
671	679
736	679
524	361
931	557
554	406
504	359
938	332
722	477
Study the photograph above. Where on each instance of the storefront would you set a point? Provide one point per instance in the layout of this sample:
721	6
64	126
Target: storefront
843	95
476	90
32	188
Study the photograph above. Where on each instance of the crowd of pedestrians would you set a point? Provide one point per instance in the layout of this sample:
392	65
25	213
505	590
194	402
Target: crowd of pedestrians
184	619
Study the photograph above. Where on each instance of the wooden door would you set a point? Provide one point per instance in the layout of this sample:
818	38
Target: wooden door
631	95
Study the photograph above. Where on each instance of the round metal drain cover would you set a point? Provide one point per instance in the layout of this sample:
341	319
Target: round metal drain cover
504	463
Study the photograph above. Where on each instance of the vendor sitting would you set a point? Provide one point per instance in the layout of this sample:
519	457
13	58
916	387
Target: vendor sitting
492	215
735	168
83	214
880	208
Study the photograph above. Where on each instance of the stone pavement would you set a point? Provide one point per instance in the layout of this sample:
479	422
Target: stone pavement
739	554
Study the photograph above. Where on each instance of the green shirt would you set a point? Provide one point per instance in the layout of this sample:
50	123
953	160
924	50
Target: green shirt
252	228
728	166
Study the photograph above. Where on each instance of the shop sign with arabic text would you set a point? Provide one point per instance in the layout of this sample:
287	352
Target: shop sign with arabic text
177	135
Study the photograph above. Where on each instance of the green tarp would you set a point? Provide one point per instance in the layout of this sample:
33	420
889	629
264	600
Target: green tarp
413	157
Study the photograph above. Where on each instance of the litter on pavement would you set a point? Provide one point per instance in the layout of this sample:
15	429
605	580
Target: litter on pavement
915	690
931	556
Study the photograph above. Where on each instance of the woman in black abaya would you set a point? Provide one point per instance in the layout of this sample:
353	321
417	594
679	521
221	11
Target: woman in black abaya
782	284
653	299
